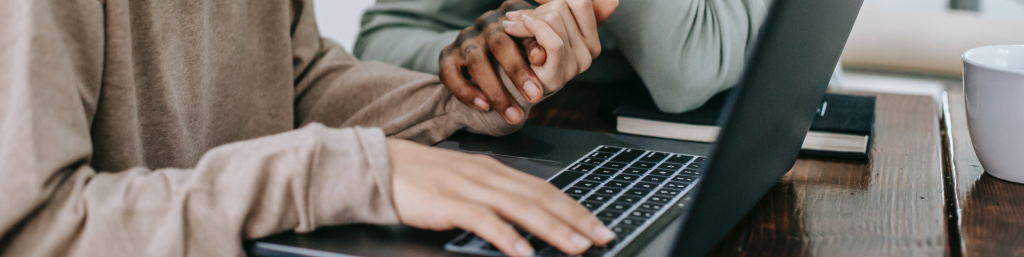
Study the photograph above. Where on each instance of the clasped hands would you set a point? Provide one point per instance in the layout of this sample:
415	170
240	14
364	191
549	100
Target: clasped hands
539	48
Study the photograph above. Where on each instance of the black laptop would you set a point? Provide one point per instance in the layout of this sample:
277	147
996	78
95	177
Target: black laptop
661	197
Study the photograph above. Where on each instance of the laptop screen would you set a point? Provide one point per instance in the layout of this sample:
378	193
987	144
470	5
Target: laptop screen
767	116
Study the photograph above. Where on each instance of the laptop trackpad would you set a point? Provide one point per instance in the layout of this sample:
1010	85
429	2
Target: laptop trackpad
541	168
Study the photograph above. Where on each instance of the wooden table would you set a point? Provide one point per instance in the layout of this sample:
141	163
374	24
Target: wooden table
891	205
987	212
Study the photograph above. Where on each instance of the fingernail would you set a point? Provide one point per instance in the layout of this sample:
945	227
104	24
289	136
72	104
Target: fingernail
531	89
481	104
580	242
508	24
524	248
513	114
513	14
534	52
527	19
602	232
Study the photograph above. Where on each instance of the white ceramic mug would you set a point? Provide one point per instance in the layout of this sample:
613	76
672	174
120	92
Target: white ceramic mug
994	88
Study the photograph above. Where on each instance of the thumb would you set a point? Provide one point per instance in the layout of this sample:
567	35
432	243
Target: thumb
603	9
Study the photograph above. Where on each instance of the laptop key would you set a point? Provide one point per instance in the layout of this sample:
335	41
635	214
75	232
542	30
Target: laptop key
691	172
609	214
653	157
620	207
626	177
606	171
577	191
591	205
701	159
606	221
582	167
655	179
601	155
628	199
670	166
676	185
641	214
608	149
537	243
630	221
614	165
598	178
598	198
661	172
643	165
622	231
566	178
637	192
667	192
593	161
617	184
679	158
651	206
628	155
683	178
695	165
635	171
575	196
659	199
645	185
586	184
608	191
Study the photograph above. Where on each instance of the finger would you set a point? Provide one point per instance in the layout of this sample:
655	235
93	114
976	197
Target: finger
488	225
603	9
514	25
535	53
583	16
553	46
506	51
452	78
480	69
530	216
578	46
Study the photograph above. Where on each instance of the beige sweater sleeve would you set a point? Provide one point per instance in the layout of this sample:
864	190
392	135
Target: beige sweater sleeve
338	90
55	203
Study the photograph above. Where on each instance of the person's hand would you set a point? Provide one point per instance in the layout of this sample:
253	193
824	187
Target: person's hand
585	34
440	189
468	73
466	70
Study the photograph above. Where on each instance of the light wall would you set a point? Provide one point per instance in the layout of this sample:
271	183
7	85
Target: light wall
339	19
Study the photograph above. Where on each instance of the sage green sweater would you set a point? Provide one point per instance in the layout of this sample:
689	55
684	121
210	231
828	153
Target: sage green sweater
685	51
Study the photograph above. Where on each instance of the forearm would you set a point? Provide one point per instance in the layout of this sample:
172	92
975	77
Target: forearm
686	51
340	91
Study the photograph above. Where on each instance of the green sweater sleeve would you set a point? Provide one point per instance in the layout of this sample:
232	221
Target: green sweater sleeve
411	33
685	51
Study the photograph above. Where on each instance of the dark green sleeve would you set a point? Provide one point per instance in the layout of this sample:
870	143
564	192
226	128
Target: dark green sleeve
411	33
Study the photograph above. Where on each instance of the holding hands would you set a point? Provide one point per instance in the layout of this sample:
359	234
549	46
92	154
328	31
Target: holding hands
559	38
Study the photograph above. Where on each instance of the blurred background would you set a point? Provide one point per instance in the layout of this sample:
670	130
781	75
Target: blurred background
897	46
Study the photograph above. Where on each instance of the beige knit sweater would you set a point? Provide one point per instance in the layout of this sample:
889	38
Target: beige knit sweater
168	127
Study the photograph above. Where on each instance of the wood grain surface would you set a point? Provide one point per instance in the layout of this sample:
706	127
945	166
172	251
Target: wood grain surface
991	211
892	205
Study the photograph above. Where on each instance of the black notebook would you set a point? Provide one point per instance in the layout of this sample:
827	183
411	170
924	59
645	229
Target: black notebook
842	126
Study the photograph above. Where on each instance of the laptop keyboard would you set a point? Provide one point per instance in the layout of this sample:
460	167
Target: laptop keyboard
626	188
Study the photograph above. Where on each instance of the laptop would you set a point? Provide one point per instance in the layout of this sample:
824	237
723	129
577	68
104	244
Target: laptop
661	197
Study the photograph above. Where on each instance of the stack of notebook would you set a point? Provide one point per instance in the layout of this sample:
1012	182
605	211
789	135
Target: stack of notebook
842	127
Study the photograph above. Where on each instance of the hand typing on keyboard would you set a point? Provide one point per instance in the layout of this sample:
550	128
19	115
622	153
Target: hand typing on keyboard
440	189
